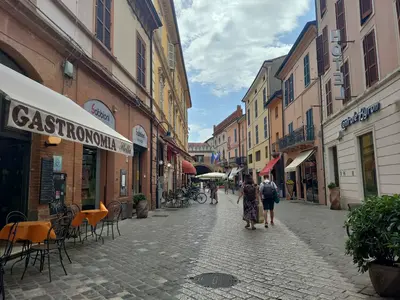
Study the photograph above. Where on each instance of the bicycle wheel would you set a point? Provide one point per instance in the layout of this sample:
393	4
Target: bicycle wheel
201	198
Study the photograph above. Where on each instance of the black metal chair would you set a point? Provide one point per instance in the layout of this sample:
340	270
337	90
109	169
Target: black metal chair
5	257
112	218
13	217
75	231
61	228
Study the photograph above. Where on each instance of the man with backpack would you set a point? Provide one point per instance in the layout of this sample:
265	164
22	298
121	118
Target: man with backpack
268	190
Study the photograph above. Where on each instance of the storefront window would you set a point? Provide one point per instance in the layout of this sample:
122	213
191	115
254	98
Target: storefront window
368	165
89	178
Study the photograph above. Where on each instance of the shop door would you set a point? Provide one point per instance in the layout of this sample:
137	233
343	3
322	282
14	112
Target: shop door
14	176
137	171
90	178
311	179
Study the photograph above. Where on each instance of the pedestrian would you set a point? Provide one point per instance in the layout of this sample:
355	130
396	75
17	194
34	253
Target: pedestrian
214	192
226	185
250	198
268	192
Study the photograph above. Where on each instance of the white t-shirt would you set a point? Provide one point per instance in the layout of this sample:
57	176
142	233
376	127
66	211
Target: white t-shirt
262	186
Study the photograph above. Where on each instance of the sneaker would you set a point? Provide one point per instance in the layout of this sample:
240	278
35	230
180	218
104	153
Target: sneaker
266	225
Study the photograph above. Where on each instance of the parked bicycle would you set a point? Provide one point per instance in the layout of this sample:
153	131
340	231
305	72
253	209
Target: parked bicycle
171	200
193	193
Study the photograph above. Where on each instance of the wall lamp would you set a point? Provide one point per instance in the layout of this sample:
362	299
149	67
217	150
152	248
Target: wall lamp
52	141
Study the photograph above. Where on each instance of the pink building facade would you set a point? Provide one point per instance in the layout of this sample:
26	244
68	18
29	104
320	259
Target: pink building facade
360	95
301	144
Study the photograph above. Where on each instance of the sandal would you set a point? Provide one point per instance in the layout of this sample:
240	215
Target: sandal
247	226
253	228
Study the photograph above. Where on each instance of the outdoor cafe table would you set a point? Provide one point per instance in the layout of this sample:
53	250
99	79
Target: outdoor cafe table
93	217
32	231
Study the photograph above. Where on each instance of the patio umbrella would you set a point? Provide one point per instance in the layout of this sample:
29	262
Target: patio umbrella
213	175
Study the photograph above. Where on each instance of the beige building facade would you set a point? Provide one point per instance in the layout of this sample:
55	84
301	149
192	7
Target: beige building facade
361	114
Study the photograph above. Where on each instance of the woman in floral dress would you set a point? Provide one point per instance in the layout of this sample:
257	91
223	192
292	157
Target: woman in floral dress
250	197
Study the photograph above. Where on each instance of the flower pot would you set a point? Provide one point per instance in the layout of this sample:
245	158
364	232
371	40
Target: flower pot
385	279
142	209
334	198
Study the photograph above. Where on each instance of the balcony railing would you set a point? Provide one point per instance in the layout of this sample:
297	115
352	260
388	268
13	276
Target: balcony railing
299	136
241	160
232	160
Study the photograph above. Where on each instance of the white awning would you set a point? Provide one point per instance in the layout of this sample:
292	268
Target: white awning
233	173
299	160
36	108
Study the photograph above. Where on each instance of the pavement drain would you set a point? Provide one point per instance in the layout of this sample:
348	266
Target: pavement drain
215	280
160	216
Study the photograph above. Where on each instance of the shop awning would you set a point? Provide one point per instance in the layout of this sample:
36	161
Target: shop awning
299	160
36	108
234	172
269	166
188	168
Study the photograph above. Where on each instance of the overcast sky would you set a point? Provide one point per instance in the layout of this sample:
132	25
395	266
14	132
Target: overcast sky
225	43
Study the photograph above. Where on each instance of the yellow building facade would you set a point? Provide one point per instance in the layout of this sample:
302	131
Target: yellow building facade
171	101
257	116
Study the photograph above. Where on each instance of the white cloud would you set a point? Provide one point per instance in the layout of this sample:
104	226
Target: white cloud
225	41
199	133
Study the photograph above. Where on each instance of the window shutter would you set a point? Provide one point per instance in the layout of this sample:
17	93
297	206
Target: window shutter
320	56
366	66
365	9
373	64
325	47
341	22
171	56
291	89
286	92
322	7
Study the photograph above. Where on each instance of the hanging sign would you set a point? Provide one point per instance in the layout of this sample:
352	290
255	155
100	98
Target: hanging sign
338	79
361	115
27	118
101	112
139	136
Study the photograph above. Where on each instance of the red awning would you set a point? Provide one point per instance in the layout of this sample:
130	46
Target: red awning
188	168
269	166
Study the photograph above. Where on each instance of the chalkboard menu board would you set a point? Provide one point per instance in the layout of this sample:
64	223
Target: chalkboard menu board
46	181
60	182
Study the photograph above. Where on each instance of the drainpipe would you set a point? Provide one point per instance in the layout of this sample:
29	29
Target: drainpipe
152	115
321	118
283	134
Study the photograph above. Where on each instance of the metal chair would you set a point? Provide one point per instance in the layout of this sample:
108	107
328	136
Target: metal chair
75	231
113	216
13	217
61	228
5	257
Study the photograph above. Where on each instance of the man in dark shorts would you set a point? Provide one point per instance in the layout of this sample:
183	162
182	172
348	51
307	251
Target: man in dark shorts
267	193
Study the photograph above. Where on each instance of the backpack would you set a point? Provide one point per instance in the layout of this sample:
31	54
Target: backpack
268	190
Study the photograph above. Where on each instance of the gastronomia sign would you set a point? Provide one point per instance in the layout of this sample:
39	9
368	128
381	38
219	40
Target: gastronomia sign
27	118
360	116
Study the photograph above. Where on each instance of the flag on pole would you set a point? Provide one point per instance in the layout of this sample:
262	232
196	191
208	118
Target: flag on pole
212	158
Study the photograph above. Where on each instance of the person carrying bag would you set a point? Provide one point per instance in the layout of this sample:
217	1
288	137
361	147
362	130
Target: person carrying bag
269	195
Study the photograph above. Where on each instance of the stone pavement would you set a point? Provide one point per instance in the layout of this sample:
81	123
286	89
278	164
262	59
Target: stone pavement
155	258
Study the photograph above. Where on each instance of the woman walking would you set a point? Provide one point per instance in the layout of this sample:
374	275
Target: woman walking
250	197
214	192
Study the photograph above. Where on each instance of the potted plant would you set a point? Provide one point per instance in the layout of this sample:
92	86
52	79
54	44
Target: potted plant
374	242
290	187
334	196
142	209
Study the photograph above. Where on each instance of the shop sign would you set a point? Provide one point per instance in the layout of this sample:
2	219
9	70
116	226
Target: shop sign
361	115
101	112
31	119
139	136
338	79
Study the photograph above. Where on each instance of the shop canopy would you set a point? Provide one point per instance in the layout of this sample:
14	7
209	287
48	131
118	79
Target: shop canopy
299	160
188	168
269	166
234	172
38	109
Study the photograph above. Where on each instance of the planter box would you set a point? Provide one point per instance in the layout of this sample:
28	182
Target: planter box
385	279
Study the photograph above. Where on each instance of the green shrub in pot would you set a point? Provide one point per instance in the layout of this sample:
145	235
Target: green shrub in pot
374	242
140	202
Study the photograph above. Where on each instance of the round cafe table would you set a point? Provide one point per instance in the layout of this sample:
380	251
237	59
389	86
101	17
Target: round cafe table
93	217
32	231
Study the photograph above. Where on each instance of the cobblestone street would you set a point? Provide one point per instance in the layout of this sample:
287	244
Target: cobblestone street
155	258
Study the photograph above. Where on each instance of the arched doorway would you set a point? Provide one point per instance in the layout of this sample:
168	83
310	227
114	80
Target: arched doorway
202	169
15	153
